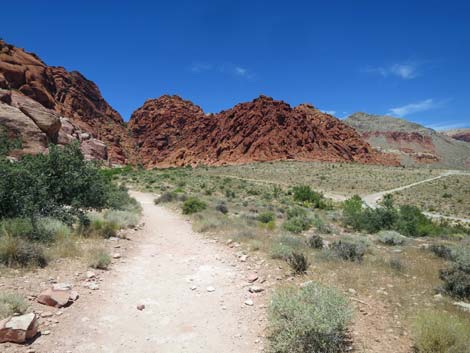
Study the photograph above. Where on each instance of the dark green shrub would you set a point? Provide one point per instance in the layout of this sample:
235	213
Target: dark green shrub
348	250
457	277
352	212
266	217
298	262
305	195
440	332
442	251
193	205
308	319
222	207
315	241
412	222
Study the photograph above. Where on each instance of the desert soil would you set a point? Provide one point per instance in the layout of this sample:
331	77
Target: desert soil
169	272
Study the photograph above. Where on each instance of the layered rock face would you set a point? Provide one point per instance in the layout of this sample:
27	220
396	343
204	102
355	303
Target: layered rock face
459	134
68	94
171	131
412	143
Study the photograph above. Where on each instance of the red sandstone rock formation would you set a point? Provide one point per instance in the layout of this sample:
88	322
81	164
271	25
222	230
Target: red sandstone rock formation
69	94
171	131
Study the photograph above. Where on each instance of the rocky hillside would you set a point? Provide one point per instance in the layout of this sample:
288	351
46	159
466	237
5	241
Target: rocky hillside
68	96
172	131
414	144
458	134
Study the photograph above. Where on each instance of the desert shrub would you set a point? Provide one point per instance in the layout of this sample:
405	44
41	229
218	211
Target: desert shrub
413	223
298	262
443	251
396	264
122	219
321	226
118	198
308	319
457	277
8	143
193	205
352	211
305	195
17	252
101	227
165	197
348	250
67	246
12	303
315	241
440	332
281	251
222	207
99	258
390	237
297	224
266	217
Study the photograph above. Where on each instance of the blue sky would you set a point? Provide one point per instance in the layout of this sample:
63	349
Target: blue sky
404	58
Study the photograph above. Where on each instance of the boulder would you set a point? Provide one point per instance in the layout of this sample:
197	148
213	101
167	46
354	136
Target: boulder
18	329
57	296
47	120
94	149
34	141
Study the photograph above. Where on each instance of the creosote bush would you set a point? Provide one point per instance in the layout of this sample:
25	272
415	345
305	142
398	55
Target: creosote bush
315	241
440	332
298	261
266	217
308	319
193	205
457	277
348	250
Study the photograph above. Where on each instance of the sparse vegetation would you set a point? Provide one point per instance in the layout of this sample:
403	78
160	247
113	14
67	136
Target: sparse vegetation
315	241
457	277
437	332
12	303
309	319
298	261
390	237
349	250
99	258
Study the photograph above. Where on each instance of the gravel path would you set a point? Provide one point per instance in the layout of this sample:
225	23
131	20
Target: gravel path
169	272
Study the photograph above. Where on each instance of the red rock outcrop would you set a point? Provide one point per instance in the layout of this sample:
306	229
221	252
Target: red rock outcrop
69	94
171	131
459	134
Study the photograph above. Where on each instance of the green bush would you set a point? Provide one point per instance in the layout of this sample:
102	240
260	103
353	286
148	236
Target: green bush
222	207
305	195
440	332
193	205
266	217
308	319
12	303
298	262
297	224
17	252
390	237
60	184
315	242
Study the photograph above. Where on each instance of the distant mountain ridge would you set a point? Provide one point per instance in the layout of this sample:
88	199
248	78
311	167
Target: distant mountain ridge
413	143
462	134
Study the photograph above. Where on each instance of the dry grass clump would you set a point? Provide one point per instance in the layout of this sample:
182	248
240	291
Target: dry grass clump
12	303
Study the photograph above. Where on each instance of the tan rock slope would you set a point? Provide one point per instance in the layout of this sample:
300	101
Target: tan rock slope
412	143
172	131
69	95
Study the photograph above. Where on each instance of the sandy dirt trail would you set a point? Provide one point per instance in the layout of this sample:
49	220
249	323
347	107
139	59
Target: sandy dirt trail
167	261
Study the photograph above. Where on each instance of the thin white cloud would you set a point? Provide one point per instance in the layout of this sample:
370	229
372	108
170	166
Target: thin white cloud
416	107
240	71
233	70
405	71
331	112
200	67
